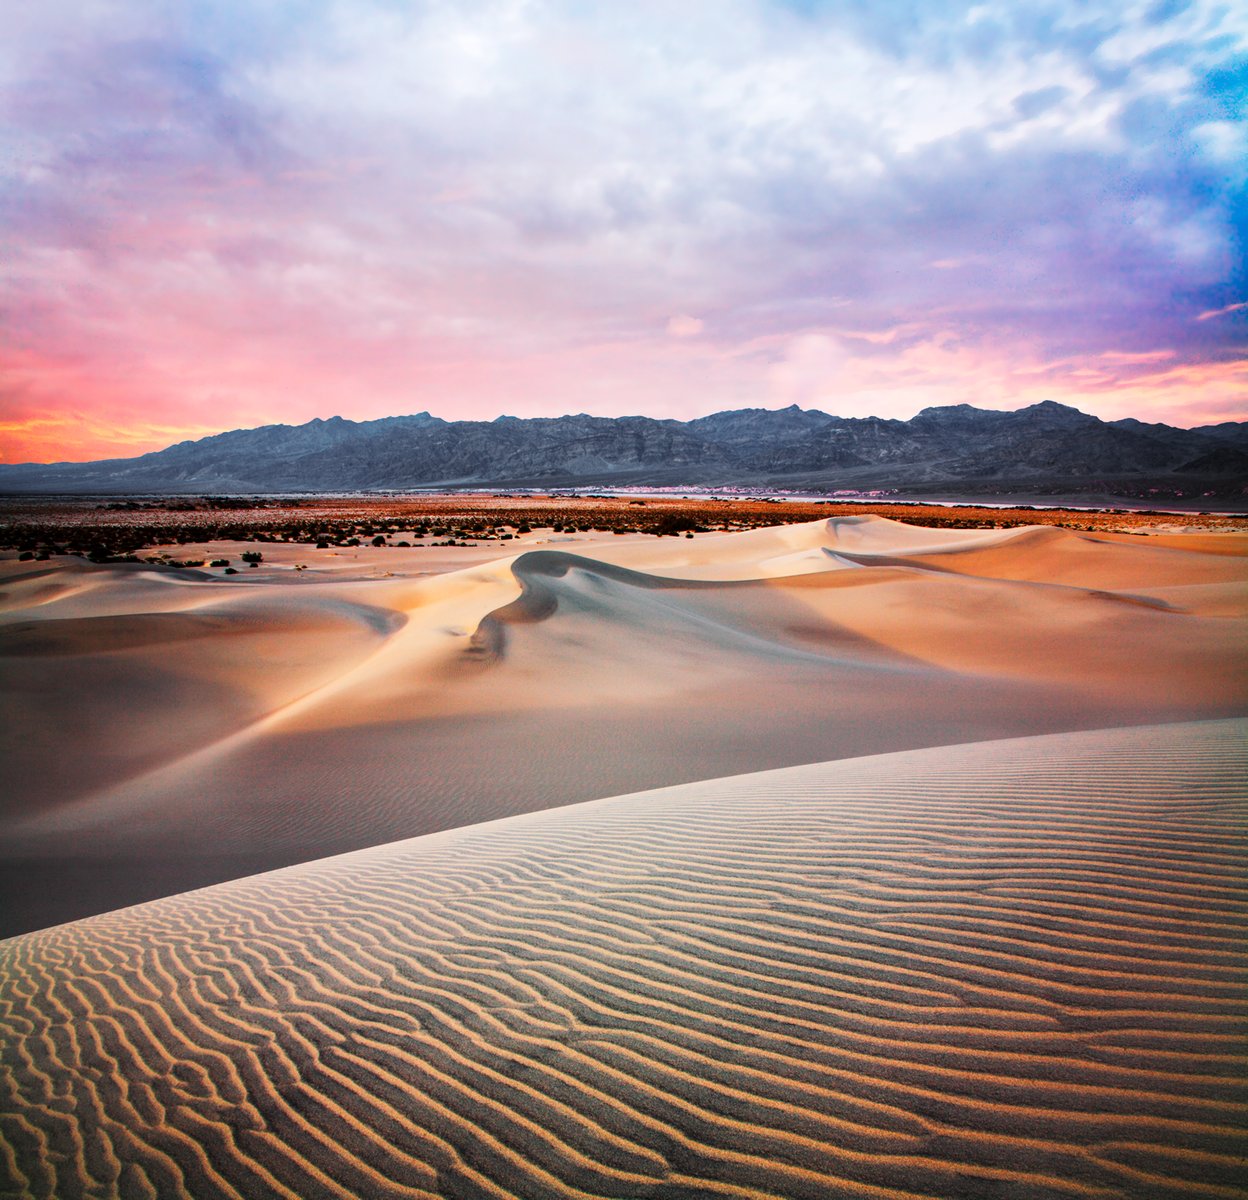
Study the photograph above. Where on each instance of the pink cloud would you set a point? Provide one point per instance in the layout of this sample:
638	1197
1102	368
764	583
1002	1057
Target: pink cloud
684	326
1210	314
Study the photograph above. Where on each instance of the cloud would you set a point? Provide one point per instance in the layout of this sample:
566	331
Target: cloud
1211	313
684	326
237	213
807	374
1032	104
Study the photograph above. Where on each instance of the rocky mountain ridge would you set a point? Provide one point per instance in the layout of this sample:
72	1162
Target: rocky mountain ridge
1045	447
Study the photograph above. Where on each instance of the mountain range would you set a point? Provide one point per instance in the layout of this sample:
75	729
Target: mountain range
1047	448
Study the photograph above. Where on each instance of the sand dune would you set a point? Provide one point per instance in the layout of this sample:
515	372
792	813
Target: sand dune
164	730
107	696
1005	969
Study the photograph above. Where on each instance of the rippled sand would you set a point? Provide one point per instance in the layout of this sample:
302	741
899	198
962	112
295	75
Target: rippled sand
1013	968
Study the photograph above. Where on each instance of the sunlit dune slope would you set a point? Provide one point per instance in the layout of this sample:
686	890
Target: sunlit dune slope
1004	969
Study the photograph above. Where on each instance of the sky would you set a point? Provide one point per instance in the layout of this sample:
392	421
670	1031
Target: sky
226	213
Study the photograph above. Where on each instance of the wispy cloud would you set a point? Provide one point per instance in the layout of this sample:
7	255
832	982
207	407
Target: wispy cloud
226	213
1209	314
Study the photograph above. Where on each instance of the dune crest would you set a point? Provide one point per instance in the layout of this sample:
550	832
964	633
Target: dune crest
535	572
1010	968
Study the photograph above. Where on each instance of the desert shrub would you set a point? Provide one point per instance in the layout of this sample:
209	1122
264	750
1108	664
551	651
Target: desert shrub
672	523
219	562
322	545
379	540
252	556
230	571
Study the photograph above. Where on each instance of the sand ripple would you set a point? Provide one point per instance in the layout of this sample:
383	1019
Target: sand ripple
1010	969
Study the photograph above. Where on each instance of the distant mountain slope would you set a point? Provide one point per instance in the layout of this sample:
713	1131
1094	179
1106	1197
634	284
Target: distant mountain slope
1044	447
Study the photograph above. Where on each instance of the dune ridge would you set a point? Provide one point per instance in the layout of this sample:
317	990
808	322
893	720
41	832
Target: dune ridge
534	573
1002	969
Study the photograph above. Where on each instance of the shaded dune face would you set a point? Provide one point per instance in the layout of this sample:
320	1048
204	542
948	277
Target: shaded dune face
1006	969
96	700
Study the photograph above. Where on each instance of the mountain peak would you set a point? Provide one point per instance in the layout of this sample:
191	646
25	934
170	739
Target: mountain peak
944	411
1051	408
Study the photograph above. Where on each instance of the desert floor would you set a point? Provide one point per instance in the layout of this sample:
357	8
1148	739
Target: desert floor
967	960
165	729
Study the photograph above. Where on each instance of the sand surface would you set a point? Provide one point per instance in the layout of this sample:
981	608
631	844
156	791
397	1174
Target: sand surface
1009	969
161	729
